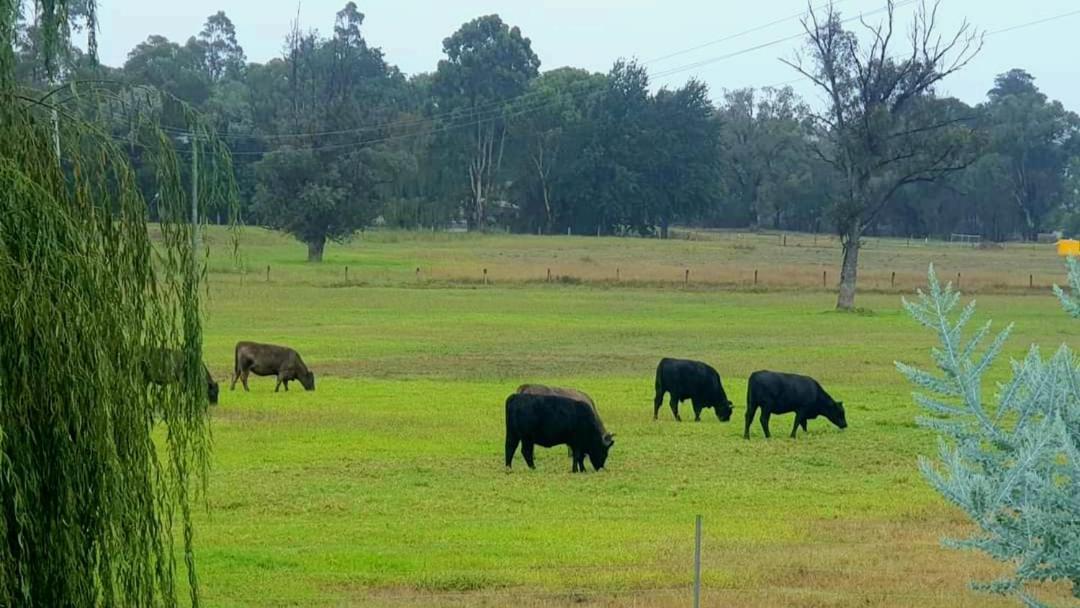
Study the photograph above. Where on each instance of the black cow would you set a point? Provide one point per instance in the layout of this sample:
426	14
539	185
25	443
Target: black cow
779	393
550	420
569	393
164	366
270	360
693	380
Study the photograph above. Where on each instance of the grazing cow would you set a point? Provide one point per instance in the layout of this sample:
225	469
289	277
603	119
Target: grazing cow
778	393
270	360
163	367
550	420
558	391
693	380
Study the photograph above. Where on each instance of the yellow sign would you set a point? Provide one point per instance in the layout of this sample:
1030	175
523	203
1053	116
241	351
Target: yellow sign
1068	247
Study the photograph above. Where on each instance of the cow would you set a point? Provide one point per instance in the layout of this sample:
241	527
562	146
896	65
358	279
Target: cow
779	393
684	379
163	367
270	360
569	393
550	420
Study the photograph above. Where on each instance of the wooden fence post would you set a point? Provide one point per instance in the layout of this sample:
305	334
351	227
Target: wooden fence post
892	281
485	276
346	274
686	280
1031	281
825	279
267	273
418	273
617	278
958	280
755	276
549	275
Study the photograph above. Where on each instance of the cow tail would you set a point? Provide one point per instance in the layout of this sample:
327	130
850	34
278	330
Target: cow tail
236	361
750	393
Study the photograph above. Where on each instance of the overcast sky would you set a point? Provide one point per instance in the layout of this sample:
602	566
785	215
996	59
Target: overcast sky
592	34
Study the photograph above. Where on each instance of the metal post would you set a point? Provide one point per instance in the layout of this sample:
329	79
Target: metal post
194	196
697	562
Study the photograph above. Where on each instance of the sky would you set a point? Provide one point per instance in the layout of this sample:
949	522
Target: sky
592	34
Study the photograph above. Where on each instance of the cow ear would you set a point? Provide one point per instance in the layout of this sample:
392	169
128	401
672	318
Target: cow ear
609	439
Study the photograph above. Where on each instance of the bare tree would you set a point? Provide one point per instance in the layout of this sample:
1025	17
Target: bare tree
883	127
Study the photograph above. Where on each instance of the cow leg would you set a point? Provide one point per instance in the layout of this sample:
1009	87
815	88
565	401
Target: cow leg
286	383
657	402
236	376
511	447
675	407
799	421
527	452
765	415
751	409
244	379
578	465
697	411
277	386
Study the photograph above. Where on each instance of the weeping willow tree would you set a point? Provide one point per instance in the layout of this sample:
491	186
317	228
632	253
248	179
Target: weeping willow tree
99	468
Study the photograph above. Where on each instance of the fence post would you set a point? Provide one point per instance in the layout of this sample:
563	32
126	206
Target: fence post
785	240
617	278
418	273
267	273
686	280
1031	281
825	279
958	280
697	562
755	276
892	281
346	274
549	275
485	276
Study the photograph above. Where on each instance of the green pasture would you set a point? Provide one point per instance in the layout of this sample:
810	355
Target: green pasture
385	486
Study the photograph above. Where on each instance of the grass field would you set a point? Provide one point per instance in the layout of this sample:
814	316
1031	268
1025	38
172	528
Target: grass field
385	487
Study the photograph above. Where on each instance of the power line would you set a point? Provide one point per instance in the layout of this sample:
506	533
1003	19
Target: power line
480	110
1002	30
704	62
496	109
738	35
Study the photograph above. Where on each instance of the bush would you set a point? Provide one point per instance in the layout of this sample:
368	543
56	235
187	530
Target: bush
1013	464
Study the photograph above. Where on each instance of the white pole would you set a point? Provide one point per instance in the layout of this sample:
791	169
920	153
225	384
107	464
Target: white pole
697	562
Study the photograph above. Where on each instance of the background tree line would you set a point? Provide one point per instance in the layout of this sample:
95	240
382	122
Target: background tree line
331	138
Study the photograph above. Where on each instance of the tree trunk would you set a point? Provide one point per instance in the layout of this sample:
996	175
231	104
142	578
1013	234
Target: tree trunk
848	270
315	249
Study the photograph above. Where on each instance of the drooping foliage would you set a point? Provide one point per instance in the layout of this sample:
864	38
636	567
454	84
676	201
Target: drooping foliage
98	465
1012	463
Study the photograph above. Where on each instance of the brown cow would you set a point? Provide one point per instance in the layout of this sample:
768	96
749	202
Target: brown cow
270	360
558	391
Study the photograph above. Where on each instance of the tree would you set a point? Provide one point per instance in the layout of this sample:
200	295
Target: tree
487	64
174	69
1029	135
91	495
223	57
1013	466
321	181
549	135
683	169
881	130
764	152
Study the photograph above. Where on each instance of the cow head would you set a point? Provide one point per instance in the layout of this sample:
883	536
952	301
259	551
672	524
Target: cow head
723	411
212	391
599	456
835	414
307	380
